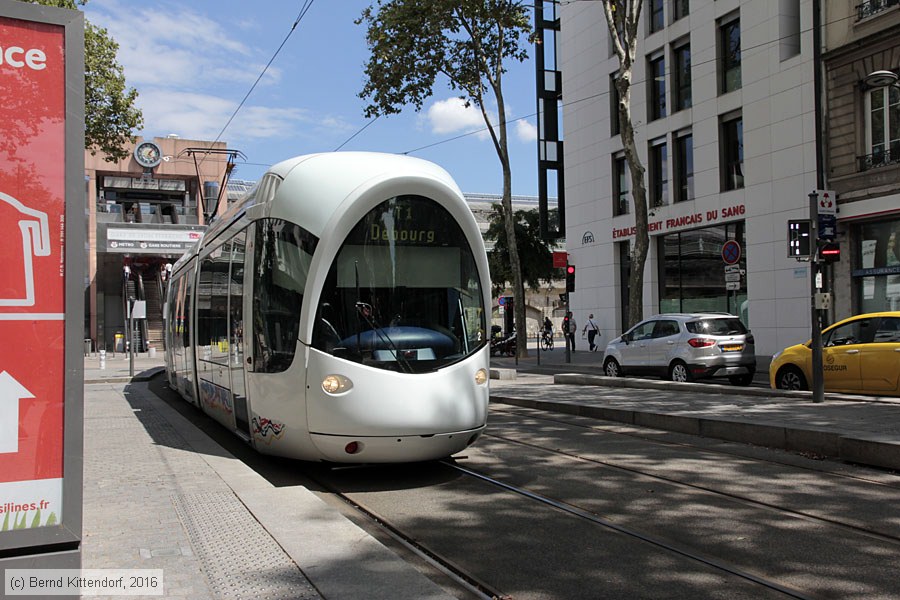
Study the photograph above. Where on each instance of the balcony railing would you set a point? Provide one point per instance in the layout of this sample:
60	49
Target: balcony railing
881	158
873	7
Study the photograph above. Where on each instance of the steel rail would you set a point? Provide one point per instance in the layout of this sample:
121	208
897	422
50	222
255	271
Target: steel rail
658	542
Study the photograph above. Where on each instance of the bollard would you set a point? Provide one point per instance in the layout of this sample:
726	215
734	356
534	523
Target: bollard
102	355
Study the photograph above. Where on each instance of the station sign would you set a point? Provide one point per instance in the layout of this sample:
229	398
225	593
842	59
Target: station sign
41	284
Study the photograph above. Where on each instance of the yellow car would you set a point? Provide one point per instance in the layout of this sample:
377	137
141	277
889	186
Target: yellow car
859	354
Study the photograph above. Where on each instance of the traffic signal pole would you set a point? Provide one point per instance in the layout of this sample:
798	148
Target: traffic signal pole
817	385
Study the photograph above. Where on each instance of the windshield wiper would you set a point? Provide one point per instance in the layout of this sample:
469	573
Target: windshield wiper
367	312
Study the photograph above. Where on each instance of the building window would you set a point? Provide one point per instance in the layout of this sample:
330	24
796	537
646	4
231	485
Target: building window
882	127
681	77
683	167
873	7
613	105
657	20
690	271
729	56
656	79
731	136
788	28
659	179
877	272
680	9
621	186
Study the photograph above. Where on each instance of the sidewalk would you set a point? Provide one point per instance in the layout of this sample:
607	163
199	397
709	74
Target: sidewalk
160	494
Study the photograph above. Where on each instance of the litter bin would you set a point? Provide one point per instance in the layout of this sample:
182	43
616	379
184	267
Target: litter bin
87	346
119	343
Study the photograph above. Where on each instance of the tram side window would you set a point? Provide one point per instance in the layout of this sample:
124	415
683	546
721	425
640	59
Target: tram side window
282	255
212	305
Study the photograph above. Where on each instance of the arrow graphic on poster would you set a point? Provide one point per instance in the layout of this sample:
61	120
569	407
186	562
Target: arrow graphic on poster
11	391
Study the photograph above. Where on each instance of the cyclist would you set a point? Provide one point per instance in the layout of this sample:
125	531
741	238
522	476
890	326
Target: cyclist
547	334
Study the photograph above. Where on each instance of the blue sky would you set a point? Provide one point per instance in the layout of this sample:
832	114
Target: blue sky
193	63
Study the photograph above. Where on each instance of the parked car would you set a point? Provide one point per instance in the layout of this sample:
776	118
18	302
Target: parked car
685	347
859	354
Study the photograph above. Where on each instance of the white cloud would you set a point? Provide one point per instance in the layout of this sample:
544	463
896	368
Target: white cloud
452	115
525	131
176	46
202	116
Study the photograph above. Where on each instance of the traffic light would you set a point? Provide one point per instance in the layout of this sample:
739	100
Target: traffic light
829	251
570	278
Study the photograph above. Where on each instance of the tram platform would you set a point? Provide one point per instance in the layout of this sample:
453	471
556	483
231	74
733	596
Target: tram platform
160	494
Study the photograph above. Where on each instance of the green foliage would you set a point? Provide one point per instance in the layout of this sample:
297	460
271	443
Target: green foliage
412	42
535	254
110	114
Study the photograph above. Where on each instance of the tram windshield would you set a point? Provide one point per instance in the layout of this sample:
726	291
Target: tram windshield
403	292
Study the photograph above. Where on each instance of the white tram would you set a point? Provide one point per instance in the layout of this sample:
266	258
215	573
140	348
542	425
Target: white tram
338	313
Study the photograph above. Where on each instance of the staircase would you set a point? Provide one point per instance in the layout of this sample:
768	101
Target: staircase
152	294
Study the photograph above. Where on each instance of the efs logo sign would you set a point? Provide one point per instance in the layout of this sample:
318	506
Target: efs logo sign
19	58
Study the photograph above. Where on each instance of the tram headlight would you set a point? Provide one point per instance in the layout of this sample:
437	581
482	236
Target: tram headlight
481	376
336	384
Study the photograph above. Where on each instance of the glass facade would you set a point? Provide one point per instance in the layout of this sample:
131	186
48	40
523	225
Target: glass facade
692	272
877	274
730	56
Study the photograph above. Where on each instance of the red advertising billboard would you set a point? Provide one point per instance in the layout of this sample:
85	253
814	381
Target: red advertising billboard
33	278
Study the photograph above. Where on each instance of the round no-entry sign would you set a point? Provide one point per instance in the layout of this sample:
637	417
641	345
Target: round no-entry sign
731	252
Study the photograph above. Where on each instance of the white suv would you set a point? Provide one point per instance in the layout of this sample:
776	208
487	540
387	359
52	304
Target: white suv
684	347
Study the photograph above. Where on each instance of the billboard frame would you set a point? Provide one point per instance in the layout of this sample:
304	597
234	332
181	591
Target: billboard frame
60	545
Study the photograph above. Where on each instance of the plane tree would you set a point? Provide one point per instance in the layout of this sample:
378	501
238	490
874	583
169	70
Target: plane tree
465	43
622	18
110	114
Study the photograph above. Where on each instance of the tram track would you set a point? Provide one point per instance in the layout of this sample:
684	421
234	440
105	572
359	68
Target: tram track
481	526
643	537
893	539
445	566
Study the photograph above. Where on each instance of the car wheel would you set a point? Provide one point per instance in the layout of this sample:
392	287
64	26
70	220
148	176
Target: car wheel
745	379
790	378
611	368
679	372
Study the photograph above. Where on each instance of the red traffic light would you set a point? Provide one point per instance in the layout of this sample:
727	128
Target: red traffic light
830	252
570	278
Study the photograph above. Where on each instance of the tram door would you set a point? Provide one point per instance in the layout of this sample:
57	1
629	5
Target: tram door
236	329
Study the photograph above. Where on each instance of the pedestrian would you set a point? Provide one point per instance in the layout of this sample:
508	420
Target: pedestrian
570	329
593	330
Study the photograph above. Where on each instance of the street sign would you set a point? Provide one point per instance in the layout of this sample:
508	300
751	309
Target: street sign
733	285
798	241
732	268
827	202
732	276
731	252
560	260
827	226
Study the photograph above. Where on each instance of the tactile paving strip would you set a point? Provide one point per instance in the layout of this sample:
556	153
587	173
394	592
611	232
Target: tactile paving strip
239	557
